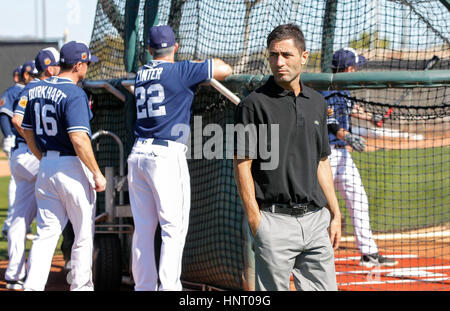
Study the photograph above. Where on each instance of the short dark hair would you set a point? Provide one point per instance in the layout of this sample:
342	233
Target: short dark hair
288	31
66	67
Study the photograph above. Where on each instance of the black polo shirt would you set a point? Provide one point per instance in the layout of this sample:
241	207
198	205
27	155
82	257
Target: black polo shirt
303	141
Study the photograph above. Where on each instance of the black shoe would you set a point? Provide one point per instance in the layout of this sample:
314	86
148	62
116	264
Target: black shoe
15	285
372	260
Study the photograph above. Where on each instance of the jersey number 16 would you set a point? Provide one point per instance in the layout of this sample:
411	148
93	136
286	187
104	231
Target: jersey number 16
48	122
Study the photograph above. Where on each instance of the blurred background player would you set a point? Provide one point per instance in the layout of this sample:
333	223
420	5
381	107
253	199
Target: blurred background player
25	167
16	75
346	176
57	129
158	174
6	114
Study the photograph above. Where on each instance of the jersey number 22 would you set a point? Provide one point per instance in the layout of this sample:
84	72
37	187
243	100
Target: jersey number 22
156	96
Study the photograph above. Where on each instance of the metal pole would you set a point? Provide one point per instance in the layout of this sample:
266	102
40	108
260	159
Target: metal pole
44	26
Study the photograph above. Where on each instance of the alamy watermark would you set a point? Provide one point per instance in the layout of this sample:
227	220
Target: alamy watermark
215	141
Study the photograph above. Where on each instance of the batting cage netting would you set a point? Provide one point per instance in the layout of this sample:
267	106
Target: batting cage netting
404	169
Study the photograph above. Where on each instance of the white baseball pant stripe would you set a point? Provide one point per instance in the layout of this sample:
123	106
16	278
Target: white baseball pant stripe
348	182
159	188
64	191
24	169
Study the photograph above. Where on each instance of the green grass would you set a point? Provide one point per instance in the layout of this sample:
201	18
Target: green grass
406	188
4	182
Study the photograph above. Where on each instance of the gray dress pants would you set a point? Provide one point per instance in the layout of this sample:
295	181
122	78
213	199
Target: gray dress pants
297	244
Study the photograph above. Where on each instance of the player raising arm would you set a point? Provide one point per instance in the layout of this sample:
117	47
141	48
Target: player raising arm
57	130
158	175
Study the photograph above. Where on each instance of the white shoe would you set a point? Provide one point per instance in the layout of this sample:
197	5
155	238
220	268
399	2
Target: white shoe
31	236
14	285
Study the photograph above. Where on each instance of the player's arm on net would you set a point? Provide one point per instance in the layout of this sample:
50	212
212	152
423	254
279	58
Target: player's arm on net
28	134
221	70
246	188
325	177
83	148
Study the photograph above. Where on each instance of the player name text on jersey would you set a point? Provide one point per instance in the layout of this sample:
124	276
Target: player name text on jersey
149	74
47	92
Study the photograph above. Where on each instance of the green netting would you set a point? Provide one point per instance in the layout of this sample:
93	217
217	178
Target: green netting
392	35
405	168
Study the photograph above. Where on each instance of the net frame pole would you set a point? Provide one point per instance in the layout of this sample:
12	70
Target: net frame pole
151	18
329	25
131	40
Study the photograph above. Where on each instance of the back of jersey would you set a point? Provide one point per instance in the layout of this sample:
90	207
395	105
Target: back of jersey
56	108
164	92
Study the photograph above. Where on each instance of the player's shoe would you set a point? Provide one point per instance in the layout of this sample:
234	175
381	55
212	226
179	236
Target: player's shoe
14	285
31	236
374	260
5	234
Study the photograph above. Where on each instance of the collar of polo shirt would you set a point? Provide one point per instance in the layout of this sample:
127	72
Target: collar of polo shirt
278	90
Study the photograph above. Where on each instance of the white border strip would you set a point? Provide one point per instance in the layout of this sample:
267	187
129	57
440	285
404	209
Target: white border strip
394	282
396	236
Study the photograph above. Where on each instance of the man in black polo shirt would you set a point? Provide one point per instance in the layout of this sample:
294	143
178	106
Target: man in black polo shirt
284	204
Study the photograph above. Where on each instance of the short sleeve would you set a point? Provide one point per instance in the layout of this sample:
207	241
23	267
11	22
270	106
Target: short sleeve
6	103
27	123
326	150
192	73
22	102
77	114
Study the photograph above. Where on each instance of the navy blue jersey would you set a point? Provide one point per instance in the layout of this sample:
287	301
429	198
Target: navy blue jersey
8	98
342	109
164	92
57	107
19	105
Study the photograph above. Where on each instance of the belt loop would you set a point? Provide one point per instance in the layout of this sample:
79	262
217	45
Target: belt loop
272	208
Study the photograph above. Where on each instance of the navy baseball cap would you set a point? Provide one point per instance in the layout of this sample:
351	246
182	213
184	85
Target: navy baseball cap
74	51
17	70
46	57
160	37
29	67
347	57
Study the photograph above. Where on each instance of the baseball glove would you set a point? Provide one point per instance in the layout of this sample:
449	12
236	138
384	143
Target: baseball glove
357	142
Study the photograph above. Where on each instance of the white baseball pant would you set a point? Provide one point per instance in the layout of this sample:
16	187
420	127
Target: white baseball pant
11	197
64	191
348	182
159	188
24	169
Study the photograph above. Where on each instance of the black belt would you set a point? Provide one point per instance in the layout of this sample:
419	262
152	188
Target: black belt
340	146
290	209
157	141
160	142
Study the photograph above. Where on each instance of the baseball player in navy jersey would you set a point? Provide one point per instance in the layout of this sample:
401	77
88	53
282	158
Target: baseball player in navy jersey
6	113
346	176
57	130
24	169
158	175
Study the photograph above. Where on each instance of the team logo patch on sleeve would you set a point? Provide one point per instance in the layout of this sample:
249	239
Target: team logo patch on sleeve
23	102
2	102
